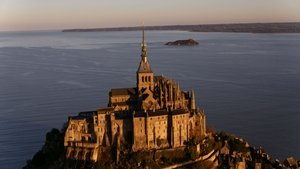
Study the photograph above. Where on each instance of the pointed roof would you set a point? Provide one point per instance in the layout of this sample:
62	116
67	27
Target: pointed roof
144	66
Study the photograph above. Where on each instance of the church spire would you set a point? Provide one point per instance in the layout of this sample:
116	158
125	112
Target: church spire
144	48
144	66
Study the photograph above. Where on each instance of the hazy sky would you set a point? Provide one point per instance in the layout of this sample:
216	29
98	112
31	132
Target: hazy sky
60	14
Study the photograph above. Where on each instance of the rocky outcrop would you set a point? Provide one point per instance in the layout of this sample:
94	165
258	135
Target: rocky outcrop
187	42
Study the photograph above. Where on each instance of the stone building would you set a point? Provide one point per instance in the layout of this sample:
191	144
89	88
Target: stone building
154	114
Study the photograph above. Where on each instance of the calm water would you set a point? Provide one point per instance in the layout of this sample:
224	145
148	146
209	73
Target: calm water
249	84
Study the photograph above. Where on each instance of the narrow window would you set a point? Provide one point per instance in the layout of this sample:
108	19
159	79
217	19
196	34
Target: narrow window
142	78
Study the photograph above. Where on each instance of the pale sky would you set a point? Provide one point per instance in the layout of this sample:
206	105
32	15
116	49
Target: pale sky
61	14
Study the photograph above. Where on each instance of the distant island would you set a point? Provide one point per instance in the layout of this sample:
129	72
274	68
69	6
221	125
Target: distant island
187	42
286	27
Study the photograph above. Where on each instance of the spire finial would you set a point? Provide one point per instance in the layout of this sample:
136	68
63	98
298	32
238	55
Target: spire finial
143	33
144	45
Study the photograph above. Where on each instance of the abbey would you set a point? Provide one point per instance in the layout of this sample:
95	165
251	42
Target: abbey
155	114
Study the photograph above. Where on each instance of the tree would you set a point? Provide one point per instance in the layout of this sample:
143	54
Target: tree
191	149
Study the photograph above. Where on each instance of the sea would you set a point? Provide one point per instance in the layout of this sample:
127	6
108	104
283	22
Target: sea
247	83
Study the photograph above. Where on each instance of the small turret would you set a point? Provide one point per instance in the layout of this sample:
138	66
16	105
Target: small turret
193	101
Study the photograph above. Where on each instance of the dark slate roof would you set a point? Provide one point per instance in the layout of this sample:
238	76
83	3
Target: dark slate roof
179	111
123	91
151	113
104	110
158	113
87	113
77	117
123	115
144	67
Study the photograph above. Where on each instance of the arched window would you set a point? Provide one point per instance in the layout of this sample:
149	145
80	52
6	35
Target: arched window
149	78
142	78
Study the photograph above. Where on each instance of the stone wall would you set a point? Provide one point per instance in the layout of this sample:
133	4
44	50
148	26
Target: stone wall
180	129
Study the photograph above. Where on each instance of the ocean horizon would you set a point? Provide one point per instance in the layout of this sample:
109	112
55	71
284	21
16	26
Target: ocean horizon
248	84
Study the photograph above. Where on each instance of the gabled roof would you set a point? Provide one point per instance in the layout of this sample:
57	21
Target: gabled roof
123	91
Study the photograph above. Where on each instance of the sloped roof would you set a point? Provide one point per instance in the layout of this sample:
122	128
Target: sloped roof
179	111
123	91
144	67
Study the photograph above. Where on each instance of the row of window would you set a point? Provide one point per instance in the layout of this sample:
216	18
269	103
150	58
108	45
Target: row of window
158	118
164	131
146	79
100	129
120	99
179	116
101	121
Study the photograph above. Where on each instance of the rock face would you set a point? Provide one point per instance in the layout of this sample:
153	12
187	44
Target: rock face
187	42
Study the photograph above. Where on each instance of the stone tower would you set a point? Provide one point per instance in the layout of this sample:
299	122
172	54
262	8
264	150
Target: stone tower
145	80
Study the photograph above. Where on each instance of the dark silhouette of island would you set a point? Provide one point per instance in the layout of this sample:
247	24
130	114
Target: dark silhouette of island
284	27
187	42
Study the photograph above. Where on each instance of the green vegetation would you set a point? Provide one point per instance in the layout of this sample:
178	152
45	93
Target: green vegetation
191	149
171	156
235	143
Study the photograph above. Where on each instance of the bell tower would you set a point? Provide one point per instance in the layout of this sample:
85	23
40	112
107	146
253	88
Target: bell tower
144	73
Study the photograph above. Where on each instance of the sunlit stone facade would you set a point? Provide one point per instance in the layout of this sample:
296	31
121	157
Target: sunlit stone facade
155	114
